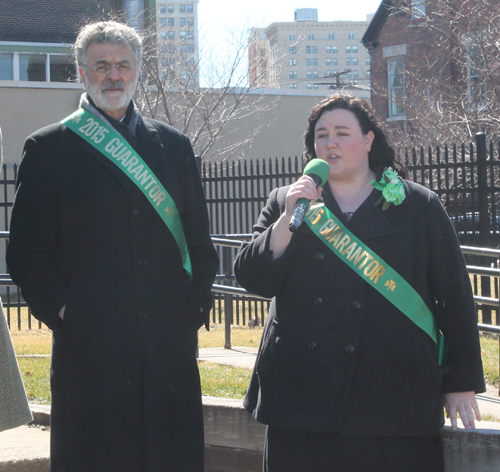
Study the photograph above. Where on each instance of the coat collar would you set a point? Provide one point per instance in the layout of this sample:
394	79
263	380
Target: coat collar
150	147
368	221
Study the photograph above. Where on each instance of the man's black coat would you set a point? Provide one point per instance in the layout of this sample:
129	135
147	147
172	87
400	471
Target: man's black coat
336	355
125	384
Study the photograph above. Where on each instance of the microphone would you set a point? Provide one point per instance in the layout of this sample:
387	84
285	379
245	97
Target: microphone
319	170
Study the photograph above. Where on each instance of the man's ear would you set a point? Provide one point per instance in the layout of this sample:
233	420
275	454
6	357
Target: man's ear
82	78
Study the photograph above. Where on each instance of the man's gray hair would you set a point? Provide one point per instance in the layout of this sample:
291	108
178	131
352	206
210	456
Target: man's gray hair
110	32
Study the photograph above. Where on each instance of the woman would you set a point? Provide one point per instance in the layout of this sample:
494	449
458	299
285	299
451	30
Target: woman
344	379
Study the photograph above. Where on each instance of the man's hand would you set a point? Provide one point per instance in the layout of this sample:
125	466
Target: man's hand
466	405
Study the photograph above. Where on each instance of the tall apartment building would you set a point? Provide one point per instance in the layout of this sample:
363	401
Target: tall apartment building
177	27
310	57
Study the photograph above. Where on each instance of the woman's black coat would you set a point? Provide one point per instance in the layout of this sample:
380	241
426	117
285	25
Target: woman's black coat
335	354
125	385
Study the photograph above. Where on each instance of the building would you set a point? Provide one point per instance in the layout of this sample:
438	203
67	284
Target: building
36	38
434	68
309	56
177	27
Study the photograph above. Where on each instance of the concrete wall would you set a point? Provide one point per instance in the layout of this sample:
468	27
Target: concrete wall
234	443
23	110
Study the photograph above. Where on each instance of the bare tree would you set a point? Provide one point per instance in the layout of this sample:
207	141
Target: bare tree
209	100
452	89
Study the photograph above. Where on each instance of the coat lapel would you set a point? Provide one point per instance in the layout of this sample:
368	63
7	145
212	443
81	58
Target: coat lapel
127	184
368	221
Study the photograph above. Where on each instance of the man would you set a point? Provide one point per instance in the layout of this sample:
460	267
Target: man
97	263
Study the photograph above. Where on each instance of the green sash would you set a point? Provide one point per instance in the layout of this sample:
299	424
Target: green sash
114	146
374	270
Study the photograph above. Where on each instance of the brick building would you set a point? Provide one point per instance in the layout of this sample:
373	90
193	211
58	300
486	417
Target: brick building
426	63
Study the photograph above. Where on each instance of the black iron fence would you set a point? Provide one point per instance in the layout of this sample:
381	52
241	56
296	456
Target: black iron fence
465	177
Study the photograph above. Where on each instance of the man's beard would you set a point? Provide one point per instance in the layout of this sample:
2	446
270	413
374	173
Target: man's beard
104	100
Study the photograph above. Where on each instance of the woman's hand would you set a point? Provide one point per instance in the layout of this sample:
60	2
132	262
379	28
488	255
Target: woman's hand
281	235
466	405
303	188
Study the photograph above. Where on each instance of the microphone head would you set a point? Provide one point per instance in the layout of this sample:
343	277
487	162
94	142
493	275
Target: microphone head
320	168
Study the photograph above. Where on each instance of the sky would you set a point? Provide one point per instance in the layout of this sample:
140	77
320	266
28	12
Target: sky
222	22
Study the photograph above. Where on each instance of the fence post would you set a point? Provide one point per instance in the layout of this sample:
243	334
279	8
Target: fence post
227	267
484	218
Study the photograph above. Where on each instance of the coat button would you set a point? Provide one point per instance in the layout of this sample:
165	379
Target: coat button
142	262
143	315
351	349
136	212
320	256
357	305
312	345
318	301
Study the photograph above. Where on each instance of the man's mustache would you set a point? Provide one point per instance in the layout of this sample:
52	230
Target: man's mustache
113	85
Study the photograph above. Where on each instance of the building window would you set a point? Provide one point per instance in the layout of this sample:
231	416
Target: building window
293	86
355	61
309	74
291	37
171	22
163	22
292	49
328	49
348	61
349	74
191	61
367	61
37	67
183	35
350	35
335	49
171	35
190	8
292	62
184	47
292	74
417	9
309	86
331	36
170	8
310	37
308	62
476	85
335	62
315	49
6	67
308	49
190	21
315	74
315	61
355	49
368	74
355	74
348	49
316	86
328	62
190	47
182	21
163	8
182	8
396	86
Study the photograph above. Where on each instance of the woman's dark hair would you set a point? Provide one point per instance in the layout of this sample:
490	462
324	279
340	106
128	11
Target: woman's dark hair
381	154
